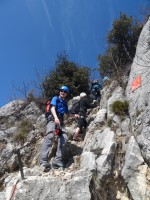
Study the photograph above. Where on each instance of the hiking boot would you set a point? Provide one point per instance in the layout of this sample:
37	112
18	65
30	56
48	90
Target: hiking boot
58	164
46	168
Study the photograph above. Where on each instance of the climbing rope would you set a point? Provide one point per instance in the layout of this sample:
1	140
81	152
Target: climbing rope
13	189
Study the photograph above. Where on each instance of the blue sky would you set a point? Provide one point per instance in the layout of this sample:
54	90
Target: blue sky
33	32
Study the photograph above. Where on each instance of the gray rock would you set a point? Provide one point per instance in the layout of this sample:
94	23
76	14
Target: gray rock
87	161
133	159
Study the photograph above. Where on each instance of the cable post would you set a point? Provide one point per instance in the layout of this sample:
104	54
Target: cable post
20	163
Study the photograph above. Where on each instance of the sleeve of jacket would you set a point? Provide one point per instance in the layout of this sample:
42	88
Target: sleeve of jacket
89	105
100	86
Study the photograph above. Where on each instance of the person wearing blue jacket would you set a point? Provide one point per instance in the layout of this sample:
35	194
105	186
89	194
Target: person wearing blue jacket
59	107
95	90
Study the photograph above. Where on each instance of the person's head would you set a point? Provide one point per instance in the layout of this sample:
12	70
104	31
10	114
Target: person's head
105	78
95	81
83	94
63	91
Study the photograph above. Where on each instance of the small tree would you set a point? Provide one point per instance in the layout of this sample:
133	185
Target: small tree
66	73
122	41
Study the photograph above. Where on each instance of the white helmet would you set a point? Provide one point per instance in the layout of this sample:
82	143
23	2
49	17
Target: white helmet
83	94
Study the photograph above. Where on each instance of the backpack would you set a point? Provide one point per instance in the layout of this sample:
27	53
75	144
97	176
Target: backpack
96	87
48	106
75	107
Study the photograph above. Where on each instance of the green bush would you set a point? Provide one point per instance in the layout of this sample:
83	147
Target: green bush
120	107
24	127
66	73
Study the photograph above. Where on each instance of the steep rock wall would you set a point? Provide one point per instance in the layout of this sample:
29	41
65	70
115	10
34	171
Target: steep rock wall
140	98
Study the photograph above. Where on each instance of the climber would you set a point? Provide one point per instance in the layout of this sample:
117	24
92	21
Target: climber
58	109
95	90
105	80
84	105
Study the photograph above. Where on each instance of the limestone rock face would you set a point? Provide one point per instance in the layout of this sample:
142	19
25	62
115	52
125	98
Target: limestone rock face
51	187
140	120
140	98
11	116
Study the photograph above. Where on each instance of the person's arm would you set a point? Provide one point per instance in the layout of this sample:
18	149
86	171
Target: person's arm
72	115
100	86
89	105
56	120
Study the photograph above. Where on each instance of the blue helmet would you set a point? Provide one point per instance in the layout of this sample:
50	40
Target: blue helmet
65	88
105	78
